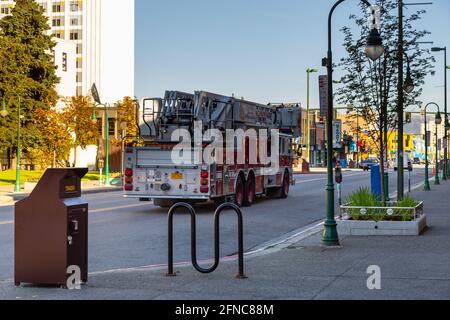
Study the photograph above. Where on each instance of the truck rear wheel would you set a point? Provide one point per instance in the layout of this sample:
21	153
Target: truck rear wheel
249	192
239	193
285	187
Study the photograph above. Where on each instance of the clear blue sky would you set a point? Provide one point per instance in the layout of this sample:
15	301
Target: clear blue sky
258	49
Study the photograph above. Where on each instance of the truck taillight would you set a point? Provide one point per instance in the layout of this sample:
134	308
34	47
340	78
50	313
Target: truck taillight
128	187
204	181
128	172
129	180
204	174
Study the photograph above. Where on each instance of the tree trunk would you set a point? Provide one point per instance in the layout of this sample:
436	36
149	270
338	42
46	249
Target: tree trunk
383	191
75	157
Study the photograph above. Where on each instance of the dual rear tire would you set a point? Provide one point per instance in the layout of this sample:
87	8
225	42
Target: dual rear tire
244	195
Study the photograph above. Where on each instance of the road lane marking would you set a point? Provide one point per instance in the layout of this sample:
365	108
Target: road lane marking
324	179
119	207
2	223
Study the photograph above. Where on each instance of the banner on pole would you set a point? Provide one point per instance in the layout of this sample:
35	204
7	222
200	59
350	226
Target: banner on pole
323	95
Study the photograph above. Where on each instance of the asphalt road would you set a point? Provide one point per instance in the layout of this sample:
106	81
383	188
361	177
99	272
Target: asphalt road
125	233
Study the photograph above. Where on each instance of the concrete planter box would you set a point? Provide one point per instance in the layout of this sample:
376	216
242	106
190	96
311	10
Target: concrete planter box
347	227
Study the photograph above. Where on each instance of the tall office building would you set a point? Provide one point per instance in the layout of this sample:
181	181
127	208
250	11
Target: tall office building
103	34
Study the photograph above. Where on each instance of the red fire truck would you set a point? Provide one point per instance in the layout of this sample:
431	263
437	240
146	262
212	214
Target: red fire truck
154	171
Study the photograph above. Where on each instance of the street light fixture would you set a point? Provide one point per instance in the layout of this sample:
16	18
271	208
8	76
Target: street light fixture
373	50
308	129
4	112
94	116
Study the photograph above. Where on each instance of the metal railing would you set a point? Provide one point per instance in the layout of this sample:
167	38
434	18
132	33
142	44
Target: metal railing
191	211
390	212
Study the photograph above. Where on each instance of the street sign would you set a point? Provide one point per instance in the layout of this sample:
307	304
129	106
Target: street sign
428	138
95	94
101	164
323	95
337	134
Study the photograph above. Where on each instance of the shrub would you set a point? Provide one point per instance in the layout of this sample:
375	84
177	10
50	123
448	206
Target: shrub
407	202
363	197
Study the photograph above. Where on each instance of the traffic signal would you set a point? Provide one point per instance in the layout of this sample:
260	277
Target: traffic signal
408	117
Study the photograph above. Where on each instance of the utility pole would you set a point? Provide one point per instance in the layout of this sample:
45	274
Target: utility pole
400	102
308	126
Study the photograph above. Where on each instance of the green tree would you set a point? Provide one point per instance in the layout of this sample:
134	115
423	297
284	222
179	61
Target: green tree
77	115
371	87
56	140
126	113
27	72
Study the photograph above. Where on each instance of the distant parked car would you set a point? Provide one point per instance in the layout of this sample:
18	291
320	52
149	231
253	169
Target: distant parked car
408	165
367	164
416	161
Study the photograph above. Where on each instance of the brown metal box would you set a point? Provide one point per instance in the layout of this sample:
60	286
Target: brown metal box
51	230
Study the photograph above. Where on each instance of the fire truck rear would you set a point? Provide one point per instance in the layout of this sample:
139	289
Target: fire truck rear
155	172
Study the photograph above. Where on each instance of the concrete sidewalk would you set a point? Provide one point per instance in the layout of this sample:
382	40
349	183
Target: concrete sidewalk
299	268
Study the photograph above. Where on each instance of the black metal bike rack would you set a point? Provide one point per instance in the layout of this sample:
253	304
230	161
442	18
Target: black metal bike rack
217	214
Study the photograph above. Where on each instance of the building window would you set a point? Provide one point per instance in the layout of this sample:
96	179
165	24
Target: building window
100	126
74	22
64	62
75	6
5	10
57	8
56	23
75	35
112	127
57	34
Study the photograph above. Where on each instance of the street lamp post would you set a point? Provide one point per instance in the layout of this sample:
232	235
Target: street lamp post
446	122
4	114
400	88
17	185
123	126
373	50
438	121
308	128
94	120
